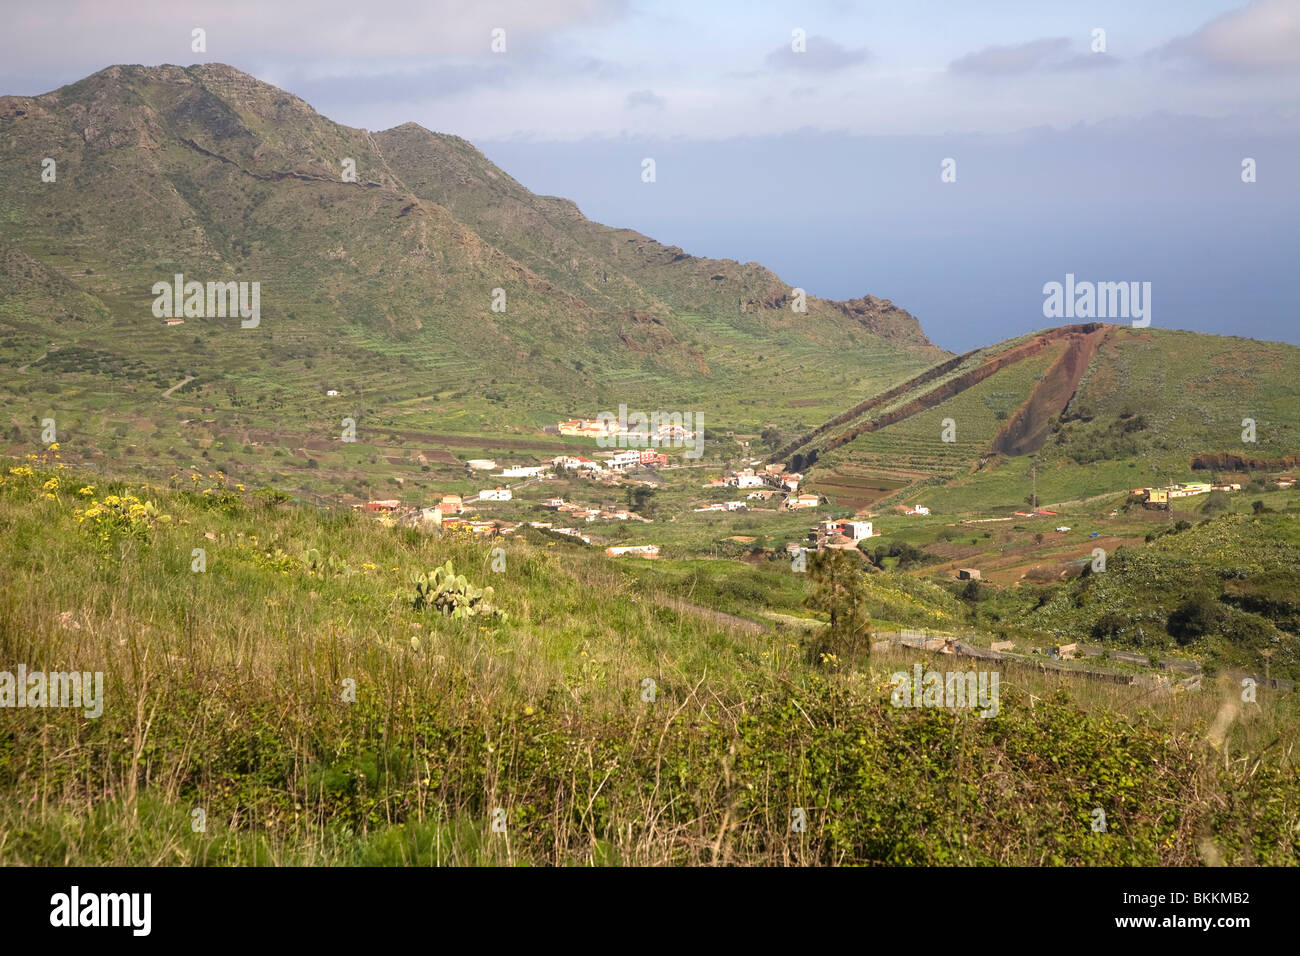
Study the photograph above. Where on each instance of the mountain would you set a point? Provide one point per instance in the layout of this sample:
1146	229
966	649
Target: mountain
383	288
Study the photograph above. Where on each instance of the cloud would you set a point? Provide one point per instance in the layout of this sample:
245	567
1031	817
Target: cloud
821	55
91	34
645	99
1264	35
1016	58
1087	61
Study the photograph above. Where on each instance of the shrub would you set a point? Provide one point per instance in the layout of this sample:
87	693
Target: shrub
121	516
1194	618
1109	626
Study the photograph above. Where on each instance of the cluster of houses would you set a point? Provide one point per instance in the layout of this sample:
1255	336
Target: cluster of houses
613	464
1168	493
774	476
617	462
1162	496
725	506
445	514
764	481
841	533
607	512
662	432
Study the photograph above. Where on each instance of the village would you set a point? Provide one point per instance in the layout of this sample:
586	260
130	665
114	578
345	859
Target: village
461	512
763	487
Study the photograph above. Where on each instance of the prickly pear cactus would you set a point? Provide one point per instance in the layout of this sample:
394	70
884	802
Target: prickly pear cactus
452	594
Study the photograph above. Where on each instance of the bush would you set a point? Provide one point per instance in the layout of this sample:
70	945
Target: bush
1194	618
1248	631
1109	626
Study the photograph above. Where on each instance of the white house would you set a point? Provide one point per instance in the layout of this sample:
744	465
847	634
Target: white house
918	510
524	471
332	392
856	530
624	459
575	462
495	494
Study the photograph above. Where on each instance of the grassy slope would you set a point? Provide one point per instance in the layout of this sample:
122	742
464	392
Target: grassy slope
223	693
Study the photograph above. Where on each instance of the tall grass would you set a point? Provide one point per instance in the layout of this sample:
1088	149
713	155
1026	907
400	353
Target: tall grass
225	694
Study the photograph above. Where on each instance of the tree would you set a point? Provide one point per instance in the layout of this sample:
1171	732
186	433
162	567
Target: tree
641	499
1194	618
838	590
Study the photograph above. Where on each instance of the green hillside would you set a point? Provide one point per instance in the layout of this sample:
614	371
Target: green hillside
1083	411
381	289
535	738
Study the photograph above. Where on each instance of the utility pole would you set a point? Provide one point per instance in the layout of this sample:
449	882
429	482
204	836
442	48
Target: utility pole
1034	473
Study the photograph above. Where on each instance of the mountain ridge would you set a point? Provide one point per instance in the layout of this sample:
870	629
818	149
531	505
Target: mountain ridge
268	134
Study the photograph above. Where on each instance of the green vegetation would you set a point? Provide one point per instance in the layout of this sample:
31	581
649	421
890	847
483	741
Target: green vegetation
381	290
450	593
330	689
227	690
837	590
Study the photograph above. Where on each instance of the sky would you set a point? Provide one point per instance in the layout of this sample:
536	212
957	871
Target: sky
1104	140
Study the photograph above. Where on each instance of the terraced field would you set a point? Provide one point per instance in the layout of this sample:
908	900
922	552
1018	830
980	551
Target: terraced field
919	442
853	487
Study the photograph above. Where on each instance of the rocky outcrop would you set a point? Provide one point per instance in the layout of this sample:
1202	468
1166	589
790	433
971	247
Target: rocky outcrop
883	318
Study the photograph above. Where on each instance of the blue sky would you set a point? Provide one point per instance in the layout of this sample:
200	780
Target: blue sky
824	164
